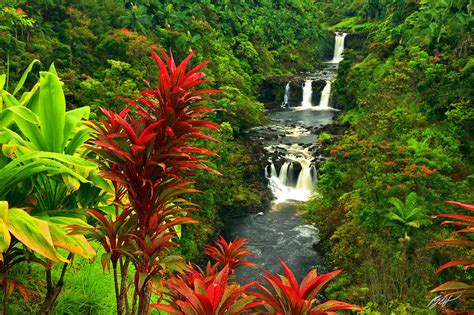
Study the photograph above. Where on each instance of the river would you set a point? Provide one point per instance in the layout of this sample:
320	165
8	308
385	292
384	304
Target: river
291	172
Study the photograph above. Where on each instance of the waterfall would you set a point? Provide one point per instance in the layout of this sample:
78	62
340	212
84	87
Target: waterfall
273	172
325	94
287	95
283	177
305	179
314	173
338	47
284	186
291	175
307	94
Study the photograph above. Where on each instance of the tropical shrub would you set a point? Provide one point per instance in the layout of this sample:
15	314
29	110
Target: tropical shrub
407	214
44	172
208	295
148	156
289	297
229	254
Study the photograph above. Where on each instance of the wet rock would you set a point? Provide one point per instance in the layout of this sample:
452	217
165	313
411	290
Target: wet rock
316	246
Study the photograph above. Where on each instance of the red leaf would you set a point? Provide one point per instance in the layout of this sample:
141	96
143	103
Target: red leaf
456	262
463	205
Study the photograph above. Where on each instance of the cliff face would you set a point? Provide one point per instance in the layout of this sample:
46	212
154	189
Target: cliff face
273	90
356	41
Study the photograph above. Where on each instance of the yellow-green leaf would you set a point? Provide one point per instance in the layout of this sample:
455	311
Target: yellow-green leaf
76	244
33	233
5	237
72	183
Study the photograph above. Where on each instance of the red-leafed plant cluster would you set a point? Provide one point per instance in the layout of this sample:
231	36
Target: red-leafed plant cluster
211	291
289	297
229	253
214	291
148	156
463	237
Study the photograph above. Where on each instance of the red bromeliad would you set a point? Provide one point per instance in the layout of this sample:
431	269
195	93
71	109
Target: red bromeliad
148	156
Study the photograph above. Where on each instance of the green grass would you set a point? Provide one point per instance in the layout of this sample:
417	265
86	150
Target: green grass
87	289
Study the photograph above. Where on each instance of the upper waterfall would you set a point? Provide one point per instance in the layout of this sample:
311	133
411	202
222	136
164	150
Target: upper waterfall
338	47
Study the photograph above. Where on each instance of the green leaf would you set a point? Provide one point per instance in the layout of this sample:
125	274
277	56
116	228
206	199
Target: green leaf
76	244
77	141
24	113
33	233
52	69
6	118
34	163
24	76
51	111
3	79
73	119
9	100
31	132
5	237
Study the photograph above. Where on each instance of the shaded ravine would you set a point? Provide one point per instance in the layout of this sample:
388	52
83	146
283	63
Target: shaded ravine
291	147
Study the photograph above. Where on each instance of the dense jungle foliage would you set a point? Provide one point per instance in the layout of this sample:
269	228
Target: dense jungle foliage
101	50
405	92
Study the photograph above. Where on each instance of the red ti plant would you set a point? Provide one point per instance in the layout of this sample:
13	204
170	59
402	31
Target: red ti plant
229	254
207	295
289	297
455	289
147	155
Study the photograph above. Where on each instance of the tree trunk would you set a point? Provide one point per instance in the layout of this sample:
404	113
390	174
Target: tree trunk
144	301
53	291
124	286
5	296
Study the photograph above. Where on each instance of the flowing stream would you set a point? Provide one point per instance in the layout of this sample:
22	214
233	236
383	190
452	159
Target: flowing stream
292	174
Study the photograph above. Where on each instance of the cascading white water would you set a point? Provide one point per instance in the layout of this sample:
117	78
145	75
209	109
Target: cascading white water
307	94
325	95
314	174
287	95
338	47
273	172
283	177
283	184
291	175
305	179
